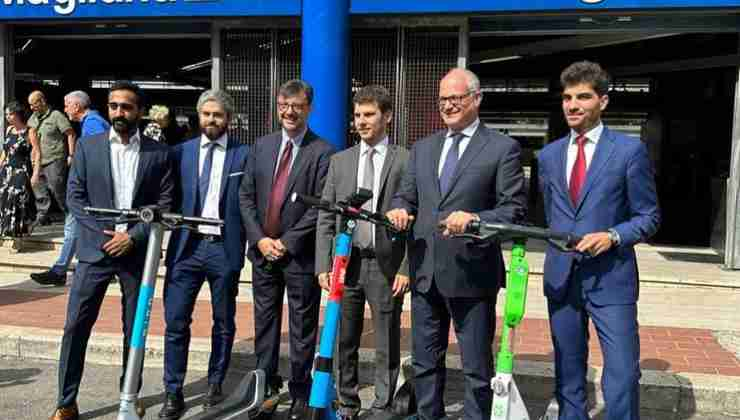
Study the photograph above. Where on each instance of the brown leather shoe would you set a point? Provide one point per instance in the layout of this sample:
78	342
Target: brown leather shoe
66	413
140	409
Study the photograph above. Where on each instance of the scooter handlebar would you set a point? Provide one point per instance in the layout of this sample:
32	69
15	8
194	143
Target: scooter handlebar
482	231
151	214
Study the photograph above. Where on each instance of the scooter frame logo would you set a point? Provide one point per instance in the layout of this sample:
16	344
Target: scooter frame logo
591	1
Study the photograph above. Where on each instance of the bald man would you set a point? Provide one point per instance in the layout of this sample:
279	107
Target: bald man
463	173
49	129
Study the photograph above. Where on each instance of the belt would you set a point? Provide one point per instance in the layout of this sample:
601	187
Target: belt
208	237
364	253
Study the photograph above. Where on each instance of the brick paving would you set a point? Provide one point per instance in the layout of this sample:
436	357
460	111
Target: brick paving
670	349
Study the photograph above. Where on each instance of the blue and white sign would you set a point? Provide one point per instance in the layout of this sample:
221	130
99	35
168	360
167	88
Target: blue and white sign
107	9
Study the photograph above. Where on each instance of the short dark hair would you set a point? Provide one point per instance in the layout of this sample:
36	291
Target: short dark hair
17	108
374	94
131	87
294	87
586	72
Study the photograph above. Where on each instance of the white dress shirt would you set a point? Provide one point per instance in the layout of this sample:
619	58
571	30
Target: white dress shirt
381	150
124	166
297	142
467	135
592	138
210	206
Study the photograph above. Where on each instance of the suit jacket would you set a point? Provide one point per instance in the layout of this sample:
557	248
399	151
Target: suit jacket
488	181
91	184
186	158
340	183
297	221
619	193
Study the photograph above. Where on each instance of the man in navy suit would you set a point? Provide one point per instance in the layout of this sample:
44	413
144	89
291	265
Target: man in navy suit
598	184
209	170
463	173
282	237
117	169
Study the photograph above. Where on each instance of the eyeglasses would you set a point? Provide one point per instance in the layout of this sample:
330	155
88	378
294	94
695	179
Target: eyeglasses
282	107
455	100
125	106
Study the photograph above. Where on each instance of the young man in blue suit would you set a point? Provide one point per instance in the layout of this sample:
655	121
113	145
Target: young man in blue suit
117	169
463	173
282	240
598	184
209	170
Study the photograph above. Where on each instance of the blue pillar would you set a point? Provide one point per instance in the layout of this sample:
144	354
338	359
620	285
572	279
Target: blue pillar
325	65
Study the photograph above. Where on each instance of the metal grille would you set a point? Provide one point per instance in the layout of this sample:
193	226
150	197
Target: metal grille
247	57
288	63
374	61
428	55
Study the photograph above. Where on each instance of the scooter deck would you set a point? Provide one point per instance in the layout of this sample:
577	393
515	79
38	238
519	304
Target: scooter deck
246	402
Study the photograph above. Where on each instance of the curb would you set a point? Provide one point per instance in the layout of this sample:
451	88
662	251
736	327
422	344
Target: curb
681	393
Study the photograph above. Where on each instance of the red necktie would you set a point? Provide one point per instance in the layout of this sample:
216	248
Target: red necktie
272	224
578	173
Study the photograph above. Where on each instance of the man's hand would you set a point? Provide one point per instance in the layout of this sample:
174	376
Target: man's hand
594	243
400	218
35	179
272	249
325	281
400	285
120	243
457	221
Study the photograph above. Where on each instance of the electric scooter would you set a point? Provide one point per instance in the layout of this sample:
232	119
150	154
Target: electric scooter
323	392
246	401
507	400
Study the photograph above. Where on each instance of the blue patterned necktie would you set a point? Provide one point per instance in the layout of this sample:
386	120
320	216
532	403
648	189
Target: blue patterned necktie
448	170
205	175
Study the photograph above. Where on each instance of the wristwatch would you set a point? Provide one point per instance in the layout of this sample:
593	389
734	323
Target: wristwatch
614	236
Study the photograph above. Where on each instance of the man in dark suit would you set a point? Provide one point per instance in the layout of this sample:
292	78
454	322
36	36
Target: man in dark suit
118	169
464	173
598	184
209	170
378	269
282	236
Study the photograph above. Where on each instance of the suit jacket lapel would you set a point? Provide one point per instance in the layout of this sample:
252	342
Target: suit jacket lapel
436	151
300	160
191	161
107	171
475	145
602	154
387	165
141	170
354	166
226	170
561	169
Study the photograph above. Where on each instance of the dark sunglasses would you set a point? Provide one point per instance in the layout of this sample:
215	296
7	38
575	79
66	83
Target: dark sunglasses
125	106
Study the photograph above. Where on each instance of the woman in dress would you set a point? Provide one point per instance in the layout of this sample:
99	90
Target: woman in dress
17	207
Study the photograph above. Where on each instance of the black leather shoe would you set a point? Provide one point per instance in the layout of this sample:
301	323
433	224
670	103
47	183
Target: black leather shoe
50	277
298	410
173	408
213	396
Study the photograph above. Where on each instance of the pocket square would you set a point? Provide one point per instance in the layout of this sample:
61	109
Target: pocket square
236	174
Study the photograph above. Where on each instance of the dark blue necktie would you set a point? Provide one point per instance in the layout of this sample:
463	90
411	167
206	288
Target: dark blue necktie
205	175
448	170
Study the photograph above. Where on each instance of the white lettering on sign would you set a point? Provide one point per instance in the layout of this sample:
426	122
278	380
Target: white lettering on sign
67	7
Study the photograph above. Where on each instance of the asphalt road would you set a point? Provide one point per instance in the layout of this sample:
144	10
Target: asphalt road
28	390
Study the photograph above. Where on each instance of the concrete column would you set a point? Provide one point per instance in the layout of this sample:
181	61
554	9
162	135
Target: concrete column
732	230
325	65
217	70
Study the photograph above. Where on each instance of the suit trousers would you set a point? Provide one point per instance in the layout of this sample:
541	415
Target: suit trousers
365	281
474	319
52	182
203	261
85	300
617	329
304	299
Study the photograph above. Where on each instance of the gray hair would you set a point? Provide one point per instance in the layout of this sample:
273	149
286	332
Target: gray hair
473	80
218	96
80	97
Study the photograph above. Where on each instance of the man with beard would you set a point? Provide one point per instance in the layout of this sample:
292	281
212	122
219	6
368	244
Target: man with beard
282	239
209	169
116	169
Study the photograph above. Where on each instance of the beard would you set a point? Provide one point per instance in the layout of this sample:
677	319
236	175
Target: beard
123	125
213	132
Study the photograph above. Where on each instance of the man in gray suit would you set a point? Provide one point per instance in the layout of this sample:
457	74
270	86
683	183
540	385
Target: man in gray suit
463	173
378	271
